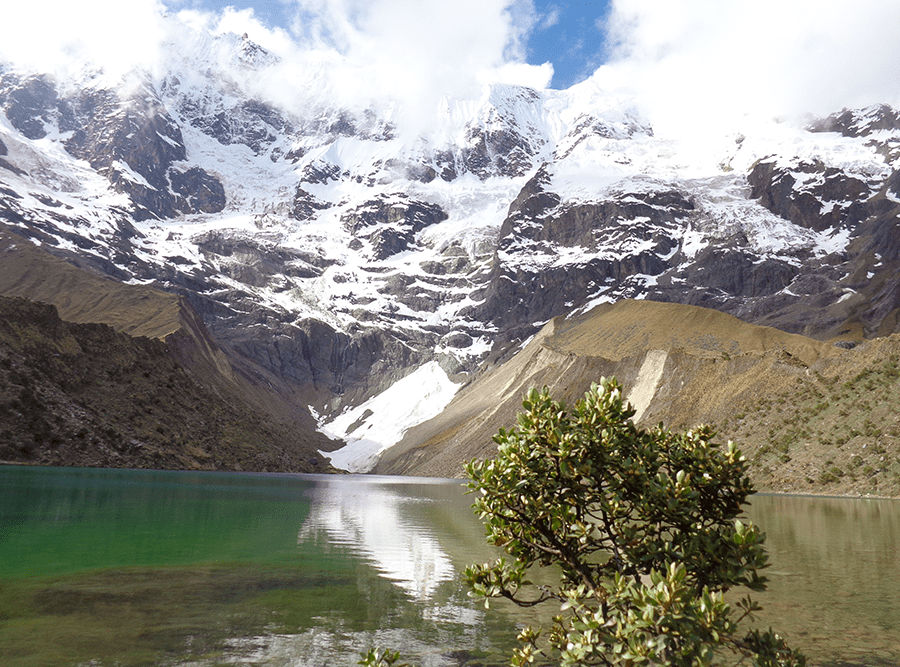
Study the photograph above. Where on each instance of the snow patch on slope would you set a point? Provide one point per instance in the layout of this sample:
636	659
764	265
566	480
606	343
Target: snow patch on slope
380	422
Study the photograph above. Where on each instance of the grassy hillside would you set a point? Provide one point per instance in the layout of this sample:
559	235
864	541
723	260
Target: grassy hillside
834	429
82	296
812	417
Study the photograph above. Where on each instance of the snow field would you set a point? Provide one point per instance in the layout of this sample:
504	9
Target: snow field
380	422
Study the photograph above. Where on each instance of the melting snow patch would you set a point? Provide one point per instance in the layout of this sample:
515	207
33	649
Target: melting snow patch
831	241
848	293
381	421
129	173
596	300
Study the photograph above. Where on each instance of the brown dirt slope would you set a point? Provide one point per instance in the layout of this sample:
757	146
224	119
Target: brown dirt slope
628	328
81	296
87	395
687	366
228	380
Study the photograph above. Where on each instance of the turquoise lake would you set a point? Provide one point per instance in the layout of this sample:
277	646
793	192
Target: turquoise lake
127	567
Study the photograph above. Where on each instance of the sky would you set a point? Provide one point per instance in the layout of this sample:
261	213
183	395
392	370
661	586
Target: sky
569	35
685	62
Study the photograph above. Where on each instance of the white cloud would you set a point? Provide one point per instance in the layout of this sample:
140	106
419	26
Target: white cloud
551	18
691	61
403	56
533	76
416	51
240	22
696	61
51	35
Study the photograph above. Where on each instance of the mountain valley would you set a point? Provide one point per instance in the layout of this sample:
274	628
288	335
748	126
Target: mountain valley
381	294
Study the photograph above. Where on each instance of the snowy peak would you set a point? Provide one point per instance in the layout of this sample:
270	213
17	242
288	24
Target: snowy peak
860	122
126	135
252	55
29	102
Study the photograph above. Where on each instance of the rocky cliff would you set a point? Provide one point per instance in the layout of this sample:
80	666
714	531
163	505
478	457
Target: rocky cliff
82	391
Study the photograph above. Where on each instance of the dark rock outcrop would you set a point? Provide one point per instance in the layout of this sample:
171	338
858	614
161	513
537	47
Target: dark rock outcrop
252	123
500	152
811	195
4	164
29	103
133	141
199	191
305	206
335	367
390	224
859	122
623	237
255	262
320	173
136	144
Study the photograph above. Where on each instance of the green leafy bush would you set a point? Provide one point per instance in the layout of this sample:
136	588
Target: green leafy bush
643	527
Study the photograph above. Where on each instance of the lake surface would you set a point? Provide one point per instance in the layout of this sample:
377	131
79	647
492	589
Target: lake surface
120	567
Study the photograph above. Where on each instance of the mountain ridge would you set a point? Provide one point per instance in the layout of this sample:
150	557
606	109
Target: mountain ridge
792	404
336	251
619	339
216	384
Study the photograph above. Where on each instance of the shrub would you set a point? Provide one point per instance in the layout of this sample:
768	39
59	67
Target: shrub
642	526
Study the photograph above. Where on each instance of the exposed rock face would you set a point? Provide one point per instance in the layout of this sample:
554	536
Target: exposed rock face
811	195
320	173
859	122
305	205
6	165
254	262
30	103
496	152
252	123
199	192
86	395
134	142
84	378
500	141
329	362
390	224
737	273
634	236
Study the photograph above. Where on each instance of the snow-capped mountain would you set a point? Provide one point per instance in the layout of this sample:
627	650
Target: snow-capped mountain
343	252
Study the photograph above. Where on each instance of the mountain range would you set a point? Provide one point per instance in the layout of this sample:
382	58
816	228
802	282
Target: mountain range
355	276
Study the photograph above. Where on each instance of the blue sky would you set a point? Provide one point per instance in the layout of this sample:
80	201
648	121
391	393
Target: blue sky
570	35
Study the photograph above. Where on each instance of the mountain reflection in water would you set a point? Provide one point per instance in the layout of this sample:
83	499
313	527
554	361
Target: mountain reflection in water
382	526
